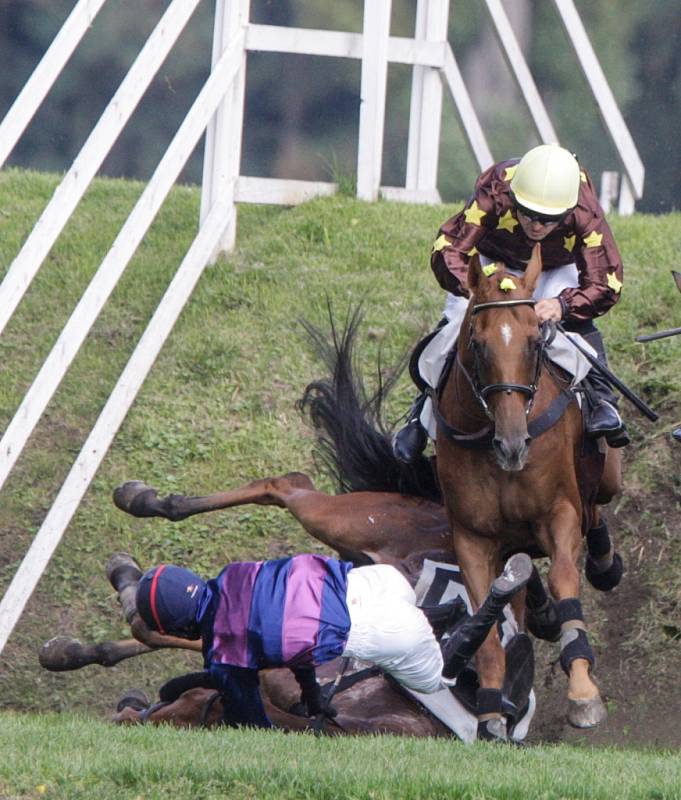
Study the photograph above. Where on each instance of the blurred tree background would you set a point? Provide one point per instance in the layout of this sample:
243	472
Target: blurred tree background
302	112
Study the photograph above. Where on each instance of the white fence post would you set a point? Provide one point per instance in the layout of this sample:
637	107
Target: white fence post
222	155
426	103
372	97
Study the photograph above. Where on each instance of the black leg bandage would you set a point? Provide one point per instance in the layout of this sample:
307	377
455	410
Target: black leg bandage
574	643
603	573
542	612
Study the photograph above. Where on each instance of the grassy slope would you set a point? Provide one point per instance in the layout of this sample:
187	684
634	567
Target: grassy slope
219	406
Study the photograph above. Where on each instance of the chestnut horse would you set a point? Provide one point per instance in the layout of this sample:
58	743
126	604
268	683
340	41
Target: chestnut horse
508	445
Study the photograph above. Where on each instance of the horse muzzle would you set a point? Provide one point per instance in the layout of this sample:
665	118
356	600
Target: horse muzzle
511	452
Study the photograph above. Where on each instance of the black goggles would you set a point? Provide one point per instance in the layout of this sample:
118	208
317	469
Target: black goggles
536	216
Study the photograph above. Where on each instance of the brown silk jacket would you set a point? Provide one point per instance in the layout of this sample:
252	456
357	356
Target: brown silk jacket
488	225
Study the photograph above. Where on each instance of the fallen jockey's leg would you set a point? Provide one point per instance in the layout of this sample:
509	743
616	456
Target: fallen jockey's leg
465	640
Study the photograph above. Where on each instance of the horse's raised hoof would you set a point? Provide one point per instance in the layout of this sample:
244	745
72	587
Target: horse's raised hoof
586	713
62	654
132	498
135	699
122	570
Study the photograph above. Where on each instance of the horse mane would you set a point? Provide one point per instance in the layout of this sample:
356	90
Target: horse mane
353	445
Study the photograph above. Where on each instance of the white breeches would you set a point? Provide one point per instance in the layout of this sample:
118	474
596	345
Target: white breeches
387	629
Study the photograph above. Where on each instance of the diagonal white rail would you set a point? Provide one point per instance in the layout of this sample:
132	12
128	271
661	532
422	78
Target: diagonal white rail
521	72
607	105
45	74
116	260
71	189
84	468
464	105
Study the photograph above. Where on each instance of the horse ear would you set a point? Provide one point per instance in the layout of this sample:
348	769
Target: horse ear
474	272
534	268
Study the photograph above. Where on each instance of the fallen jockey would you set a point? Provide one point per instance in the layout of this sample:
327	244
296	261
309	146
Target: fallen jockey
544	197
306	610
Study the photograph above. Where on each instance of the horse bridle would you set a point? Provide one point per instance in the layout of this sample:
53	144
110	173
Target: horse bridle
482	392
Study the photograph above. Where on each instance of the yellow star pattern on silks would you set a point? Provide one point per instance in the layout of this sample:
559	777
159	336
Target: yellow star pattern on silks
490	269
440	243
509	172
474	213
593	239
507	222
507	285
614	283
582	176
569	242
472	251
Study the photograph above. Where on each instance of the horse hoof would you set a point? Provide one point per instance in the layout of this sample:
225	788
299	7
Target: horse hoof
135	699
62	654
131	497
122	570
586	713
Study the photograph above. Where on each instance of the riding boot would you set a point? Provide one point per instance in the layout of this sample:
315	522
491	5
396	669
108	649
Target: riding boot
462	645
602	417
411	440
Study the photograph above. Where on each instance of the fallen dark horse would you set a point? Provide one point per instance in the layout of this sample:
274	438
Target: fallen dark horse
387	513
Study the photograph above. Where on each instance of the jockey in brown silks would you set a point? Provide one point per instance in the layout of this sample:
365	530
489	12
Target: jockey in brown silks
543	197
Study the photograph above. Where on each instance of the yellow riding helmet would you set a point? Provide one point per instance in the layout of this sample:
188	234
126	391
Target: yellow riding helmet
546	180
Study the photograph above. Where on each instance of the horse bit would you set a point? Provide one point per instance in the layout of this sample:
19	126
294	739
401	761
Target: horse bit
482	392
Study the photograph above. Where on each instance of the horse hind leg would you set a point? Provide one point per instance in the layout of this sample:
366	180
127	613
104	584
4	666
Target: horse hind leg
603	566
140	500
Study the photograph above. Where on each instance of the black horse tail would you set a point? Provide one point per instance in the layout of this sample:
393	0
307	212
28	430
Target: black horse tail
353	445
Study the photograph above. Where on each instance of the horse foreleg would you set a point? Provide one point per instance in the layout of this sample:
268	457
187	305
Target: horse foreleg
586	709
141	500
62	653
478	560
124	574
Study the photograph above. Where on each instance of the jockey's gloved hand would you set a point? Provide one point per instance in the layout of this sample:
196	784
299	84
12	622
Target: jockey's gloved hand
311	693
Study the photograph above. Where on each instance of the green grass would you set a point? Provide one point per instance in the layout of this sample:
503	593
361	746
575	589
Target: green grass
74	757
219	406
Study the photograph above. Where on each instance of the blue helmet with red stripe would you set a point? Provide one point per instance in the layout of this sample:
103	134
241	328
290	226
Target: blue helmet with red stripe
168	599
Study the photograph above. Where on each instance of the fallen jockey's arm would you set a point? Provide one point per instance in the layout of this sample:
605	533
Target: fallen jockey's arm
310	691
